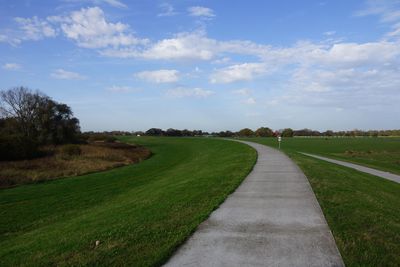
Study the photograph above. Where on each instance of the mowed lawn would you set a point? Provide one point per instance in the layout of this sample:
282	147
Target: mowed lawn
139	213
363	211
379	153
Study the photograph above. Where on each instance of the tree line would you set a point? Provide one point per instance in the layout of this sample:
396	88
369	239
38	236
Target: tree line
260	132
30	119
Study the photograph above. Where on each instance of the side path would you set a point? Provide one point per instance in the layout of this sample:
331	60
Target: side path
383	174
272	219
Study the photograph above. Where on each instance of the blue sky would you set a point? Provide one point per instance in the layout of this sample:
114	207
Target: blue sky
211	65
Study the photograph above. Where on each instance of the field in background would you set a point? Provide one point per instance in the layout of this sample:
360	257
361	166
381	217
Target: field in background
379	153
138	213
363	211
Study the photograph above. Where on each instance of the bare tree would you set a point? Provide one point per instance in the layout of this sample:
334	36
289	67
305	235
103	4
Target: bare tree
21	104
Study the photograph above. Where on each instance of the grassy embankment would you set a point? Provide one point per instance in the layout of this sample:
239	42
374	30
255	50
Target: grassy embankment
139	213
363	211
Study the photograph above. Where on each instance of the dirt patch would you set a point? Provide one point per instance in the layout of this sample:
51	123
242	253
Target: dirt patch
97	156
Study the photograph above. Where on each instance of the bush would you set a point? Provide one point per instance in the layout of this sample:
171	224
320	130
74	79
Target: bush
14	147
101	138
71	150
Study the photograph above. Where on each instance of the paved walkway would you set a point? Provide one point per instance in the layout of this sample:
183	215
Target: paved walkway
383	174
272	219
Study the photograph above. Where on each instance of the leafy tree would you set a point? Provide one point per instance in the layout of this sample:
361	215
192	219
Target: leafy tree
264	132
225	134
173	132
246	132
287	132
186	132
154	132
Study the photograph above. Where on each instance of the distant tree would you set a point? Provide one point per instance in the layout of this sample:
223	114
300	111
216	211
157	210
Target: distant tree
303	132
374	133
199	133
287	132
173	132
246	132
264	132
225	134
186	132
154	132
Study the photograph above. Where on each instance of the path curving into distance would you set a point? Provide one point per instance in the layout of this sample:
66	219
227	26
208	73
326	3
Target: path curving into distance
382	174
272	219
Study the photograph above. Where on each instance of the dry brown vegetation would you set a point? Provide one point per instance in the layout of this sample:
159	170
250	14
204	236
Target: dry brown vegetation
60	162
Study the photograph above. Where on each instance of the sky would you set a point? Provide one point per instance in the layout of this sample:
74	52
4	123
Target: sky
211	65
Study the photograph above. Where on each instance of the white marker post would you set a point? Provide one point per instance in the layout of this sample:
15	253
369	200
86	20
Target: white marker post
279	141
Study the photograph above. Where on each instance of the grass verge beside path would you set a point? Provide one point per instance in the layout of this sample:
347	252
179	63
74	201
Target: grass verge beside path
363	211
139	213
378	153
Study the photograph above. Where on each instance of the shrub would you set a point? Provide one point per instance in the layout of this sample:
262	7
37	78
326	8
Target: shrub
71	150
14	147
101	138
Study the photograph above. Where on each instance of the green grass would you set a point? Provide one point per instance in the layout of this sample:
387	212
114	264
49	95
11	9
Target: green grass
378	153
139	213
363	211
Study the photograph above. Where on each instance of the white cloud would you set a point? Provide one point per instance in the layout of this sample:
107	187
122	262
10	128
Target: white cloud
180	92
121	89
223	60
190	46
35	28
239	72
3	38
159	76
243	92
353	54
89	28
388	11
199	11
329	33
250	101
113	3
395	30
67	75
14	41
11	66
184	46
168	10
310	87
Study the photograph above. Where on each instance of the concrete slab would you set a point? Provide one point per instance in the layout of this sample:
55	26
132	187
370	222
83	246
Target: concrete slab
272	219
382	174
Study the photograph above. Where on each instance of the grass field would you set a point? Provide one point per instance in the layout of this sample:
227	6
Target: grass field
139	213
378	153
363	211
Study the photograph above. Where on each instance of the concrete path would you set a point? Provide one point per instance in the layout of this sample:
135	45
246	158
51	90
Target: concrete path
272	219
383	174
